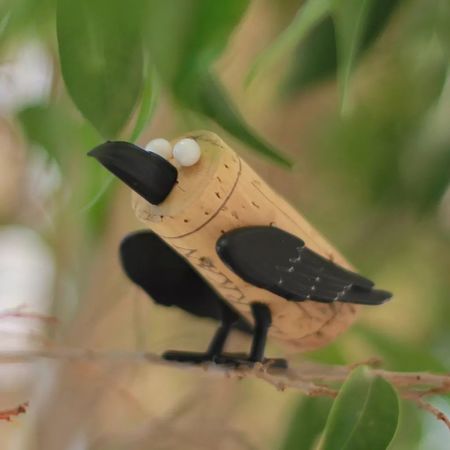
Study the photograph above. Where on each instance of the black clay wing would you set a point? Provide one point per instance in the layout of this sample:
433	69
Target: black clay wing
169	279
280	262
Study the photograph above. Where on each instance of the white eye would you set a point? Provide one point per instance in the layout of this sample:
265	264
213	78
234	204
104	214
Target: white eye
186	152
161	147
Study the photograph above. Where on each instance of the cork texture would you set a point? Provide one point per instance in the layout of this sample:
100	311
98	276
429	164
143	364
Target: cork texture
222	193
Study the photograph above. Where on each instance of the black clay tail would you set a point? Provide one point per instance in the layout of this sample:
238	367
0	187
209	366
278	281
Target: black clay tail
366	297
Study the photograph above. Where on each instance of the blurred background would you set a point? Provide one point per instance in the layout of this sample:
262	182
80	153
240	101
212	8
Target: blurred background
369	137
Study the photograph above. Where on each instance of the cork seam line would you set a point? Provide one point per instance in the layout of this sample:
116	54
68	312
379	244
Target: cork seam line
217	211
291	219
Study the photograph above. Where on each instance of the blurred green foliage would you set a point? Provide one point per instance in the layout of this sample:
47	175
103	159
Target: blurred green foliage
385	162
200	32
184	60
102	66
101	59
309	16
326	31
315	59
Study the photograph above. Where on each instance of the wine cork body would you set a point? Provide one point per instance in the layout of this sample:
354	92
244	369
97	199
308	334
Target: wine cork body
222	193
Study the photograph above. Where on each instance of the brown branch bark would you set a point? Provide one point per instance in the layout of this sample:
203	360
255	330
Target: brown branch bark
10	413
20	313
312	379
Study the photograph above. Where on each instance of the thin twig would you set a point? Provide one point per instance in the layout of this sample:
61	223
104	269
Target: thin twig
426	406
310	378
10	413
19	313
304	372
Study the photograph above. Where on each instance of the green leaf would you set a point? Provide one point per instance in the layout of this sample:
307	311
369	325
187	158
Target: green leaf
101	58
213	101
63	137
442	26
148	105
410	428
308	16
350	18
93	196
316	60
434	176
51	127
307	423
378	17
199	31
17	17
190	36
364	414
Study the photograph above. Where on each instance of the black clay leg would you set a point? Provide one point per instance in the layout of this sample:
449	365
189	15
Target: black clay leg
263	320
215	349
229	318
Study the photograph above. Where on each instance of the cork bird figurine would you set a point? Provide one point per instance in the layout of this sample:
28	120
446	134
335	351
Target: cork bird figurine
220	243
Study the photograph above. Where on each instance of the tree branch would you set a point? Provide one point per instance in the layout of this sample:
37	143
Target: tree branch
20	313
426	406
10	413
312	379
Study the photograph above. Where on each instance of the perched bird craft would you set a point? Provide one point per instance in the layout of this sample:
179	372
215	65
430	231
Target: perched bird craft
222	244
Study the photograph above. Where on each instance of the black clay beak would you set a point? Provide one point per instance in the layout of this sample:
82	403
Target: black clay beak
148	174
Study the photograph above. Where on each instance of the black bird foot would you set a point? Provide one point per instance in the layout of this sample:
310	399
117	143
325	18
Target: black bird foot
215	354
229	360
